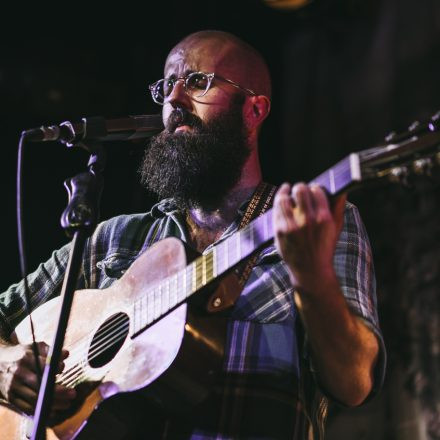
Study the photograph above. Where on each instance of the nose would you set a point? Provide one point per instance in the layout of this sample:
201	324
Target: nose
178	97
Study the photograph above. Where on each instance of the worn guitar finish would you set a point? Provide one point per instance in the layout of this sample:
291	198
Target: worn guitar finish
124	337
147	341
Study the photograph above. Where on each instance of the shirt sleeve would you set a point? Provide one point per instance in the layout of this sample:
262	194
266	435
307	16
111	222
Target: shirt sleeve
354	268
44	283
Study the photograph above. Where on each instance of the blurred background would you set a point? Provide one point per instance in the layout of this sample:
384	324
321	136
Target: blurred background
345	74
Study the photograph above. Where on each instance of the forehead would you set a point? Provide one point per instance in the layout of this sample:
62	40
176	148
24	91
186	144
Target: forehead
206	56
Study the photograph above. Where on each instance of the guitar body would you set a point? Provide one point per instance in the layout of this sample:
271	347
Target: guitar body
139	358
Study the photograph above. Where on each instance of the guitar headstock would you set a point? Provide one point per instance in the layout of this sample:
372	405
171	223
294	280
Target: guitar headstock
414	152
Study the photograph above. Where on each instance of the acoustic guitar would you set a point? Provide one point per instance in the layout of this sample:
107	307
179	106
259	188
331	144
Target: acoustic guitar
152	323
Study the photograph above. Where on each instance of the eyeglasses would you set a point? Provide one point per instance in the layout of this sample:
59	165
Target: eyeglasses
195	84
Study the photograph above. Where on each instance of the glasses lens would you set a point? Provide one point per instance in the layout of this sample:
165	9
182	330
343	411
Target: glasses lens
197	84
157	91
167	87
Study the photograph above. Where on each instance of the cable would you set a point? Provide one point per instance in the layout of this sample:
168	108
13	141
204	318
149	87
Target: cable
22	252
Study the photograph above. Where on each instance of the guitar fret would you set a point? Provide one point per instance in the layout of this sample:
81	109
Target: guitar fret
332	181
173	291
197	274
189	286
340	175
220	258
166	299
150	305
203	269
209	266
214	262
140	313
157	302
135	316
226	254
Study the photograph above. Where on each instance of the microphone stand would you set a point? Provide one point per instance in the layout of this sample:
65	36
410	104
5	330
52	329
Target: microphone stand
79	220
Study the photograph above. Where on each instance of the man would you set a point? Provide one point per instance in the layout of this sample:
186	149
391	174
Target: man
205	167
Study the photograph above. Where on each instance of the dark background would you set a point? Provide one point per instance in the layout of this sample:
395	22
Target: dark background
345	74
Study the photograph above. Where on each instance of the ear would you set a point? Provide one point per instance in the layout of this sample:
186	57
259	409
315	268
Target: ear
255	110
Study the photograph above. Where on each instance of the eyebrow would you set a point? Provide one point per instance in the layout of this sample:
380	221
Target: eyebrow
185	73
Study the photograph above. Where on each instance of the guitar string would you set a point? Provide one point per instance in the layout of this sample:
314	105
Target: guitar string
79	364
73	380
107	336
102	343
74	375
84	340
93	353
79	348
100	346
82	374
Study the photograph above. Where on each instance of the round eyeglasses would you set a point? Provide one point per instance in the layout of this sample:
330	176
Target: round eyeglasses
195	84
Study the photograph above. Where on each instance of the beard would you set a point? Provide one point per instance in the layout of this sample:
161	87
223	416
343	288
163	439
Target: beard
200	167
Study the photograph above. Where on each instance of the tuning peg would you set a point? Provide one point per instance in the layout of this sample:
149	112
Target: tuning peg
414	126
423	166
389	137
398	175
434	125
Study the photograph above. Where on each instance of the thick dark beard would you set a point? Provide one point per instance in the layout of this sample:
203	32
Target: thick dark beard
197	169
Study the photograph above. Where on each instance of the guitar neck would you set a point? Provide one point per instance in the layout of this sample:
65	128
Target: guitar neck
341	176
227	254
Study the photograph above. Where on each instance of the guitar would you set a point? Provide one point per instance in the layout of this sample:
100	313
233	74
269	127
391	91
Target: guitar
151	323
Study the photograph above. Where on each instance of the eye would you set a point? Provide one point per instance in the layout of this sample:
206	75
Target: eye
197	81
168	85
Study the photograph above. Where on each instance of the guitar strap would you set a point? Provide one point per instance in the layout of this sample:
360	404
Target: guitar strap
228	291
262	199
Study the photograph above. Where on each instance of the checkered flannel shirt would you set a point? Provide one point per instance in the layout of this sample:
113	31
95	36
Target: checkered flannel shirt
269	390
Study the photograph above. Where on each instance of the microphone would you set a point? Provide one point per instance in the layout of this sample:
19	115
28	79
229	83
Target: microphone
98	128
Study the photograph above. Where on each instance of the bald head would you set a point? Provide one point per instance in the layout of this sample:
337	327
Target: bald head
229	56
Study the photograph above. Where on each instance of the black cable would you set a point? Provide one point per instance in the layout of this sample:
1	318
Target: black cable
22	252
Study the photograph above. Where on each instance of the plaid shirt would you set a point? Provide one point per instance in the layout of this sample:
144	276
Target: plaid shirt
269	391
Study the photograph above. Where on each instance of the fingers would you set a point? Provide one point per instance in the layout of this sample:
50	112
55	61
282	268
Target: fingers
26	398
299	205
29	360
322	209
305	201
284	205
302	204
25	388
24	385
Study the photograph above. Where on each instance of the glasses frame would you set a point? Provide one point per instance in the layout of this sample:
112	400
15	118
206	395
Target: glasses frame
185	79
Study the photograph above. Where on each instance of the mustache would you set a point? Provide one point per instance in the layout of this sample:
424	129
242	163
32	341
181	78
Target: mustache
180	116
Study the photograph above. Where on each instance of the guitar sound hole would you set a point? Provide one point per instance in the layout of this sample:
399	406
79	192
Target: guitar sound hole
108	340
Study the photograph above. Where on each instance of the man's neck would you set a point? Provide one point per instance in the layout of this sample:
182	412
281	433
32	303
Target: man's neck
206	226
221	217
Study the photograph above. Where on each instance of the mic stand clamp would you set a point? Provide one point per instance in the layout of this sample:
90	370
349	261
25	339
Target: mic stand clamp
79	220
